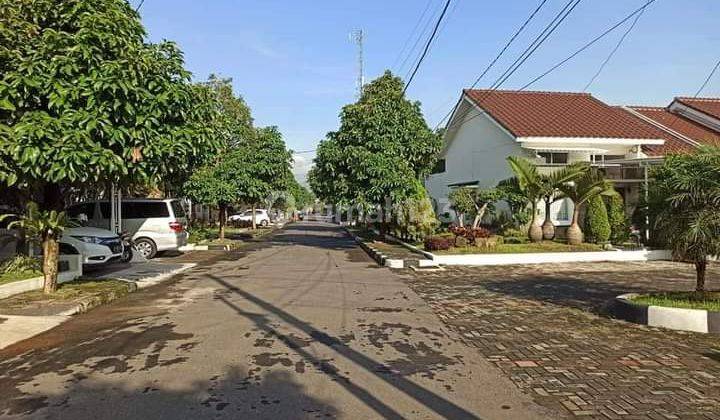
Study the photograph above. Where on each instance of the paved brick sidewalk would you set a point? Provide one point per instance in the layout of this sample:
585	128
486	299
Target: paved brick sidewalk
537	324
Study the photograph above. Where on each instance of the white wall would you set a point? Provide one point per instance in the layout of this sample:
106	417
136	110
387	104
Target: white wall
476	152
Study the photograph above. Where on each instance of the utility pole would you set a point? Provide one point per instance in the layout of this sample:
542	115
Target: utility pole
356	36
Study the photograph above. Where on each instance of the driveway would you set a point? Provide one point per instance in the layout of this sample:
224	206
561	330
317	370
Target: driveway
538	323
301	325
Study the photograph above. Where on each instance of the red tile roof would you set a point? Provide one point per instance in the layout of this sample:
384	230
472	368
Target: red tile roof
673	143
686	127
709	106
559	114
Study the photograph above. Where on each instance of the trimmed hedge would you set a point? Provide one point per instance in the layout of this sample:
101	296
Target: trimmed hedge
597	225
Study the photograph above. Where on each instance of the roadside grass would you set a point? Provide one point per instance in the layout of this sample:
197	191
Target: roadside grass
6	278
99	291
526	248
233	235
709	301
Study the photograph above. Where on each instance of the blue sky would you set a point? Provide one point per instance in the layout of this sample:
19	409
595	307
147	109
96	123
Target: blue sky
294	64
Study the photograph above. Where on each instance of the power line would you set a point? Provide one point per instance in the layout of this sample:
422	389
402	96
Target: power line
507	44
707	80
417	42
530	50
410	36
427	46
588	45
584	47
502	51
139	5
614	50
562	15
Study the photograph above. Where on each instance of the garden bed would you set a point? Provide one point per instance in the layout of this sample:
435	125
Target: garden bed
686	311
709	301
86	293
539	247
6	278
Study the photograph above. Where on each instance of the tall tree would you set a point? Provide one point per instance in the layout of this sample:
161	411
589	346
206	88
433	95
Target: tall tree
382	147
84	98
261	167
685	204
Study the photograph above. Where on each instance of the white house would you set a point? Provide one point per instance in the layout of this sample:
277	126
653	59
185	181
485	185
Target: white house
551	128
557	128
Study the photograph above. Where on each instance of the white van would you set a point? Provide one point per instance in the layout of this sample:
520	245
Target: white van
156	225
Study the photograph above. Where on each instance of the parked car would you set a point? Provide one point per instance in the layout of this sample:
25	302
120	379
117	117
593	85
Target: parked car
261	217
97	246
156	225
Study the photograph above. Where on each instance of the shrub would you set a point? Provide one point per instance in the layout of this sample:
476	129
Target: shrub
21	264
597	225
514	232
437	243
515	239
619	223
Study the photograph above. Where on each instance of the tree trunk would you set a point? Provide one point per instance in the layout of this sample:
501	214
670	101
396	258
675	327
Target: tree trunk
548	228
700	268
254	226
461	219
535	232
50	264
574	233
222	217
479	215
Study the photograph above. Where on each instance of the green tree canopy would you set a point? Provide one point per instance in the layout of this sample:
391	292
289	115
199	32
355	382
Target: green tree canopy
382	147
84	98
685	205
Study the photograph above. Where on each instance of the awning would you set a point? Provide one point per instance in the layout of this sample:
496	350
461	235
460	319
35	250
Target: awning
565	149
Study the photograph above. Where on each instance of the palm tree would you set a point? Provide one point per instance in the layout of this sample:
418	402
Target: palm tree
685	200
591	184
45	227
530	183
551	184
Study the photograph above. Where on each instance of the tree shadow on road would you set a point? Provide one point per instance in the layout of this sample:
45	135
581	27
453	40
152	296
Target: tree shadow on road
429	399
236	393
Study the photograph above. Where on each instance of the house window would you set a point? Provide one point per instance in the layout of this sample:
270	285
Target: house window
554	158
439	166
563	213
606	158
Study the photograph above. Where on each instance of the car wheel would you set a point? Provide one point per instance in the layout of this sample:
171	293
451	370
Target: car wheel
264	223
146	247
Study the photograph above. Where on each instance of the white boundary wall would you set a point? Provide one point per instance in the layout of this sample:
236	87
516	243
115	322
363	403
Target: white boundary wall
35	283
551	257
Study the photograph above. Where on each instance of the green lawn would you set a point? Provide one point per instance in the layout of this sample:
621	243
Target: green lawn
545	246
688	300
11	277
102	290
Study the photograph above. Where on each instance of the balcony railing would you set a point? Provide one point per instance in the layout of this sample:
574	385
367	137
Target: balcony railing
613	171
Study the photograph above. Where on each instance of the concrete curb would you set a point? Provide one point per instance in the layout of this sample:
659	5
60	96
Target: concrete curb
378	256
551	257
696	320
19	331
35	283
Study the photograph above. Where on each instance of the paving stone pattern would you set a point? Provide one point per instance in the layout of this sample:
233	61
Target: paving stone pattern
540	325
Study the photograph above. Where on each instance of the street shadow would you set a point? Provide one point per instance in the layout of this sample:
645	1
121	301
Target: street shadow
588	295
236	393
429	399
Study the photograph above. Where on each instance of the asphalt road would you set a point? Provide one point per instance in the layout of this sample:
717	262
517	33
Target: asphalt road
301	325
